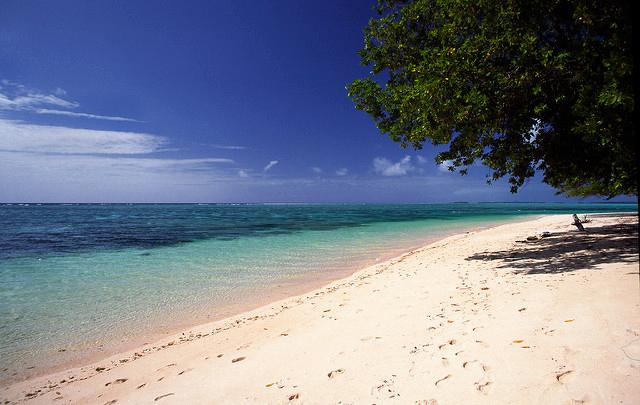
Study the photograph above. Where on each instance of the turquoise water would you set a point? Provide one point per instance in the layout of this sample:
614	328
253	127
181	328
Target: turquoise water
78	279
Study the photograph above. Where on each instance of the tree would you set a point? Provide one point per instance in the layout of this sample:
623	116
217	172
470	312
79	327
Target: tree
522	86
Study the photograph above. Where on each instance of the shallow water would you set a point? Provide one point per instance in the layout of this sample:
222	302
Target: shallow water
77	278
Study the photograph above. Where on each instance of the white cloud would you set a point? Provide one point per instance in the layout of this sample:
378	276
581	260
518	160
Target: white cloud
58	163
421	159
23	137
57	177
161	163
84	115
270	165
535	130
52	163
342	172
29	100
444	166
386	167
243	173
16	97
316	170
229	147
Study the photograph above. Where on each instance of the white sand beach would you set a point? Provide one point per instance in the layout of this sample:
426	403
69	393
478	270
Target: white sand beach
475	318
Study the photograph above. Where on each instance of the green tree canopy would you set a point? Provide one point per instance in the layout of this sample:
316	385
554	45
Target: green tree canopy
520	85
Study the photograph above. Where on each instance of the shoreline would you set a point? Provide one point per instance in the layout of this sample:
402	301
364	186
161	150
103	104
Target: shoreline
287	288
193	335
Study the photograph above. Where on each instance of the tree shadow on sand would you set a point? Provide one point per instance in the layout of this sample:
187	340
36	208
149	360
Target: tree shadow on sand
569	251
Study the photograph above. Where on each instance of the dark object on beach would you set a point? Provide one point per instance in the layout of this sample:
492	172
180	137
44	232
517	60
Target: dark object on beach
577	223
545	234
532	238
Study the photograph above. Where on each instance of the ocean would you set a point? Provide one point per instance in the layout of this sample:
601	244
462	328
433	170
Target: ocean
82	280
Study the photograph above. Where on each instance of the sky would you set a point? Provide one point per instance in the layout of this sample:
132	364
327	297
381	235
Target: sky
203	101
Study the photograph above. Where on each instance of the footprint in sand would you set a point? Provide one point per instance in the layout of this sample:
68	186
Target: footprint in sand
280	384
561	377
387	388
484	383
467	363
334	373
163	396
449	343
481	343
185	371
168	365
442	379
237	359
118	381
483	387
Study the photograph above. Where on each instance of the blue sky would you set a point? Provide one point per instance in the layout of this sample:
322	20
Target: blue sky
230	101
